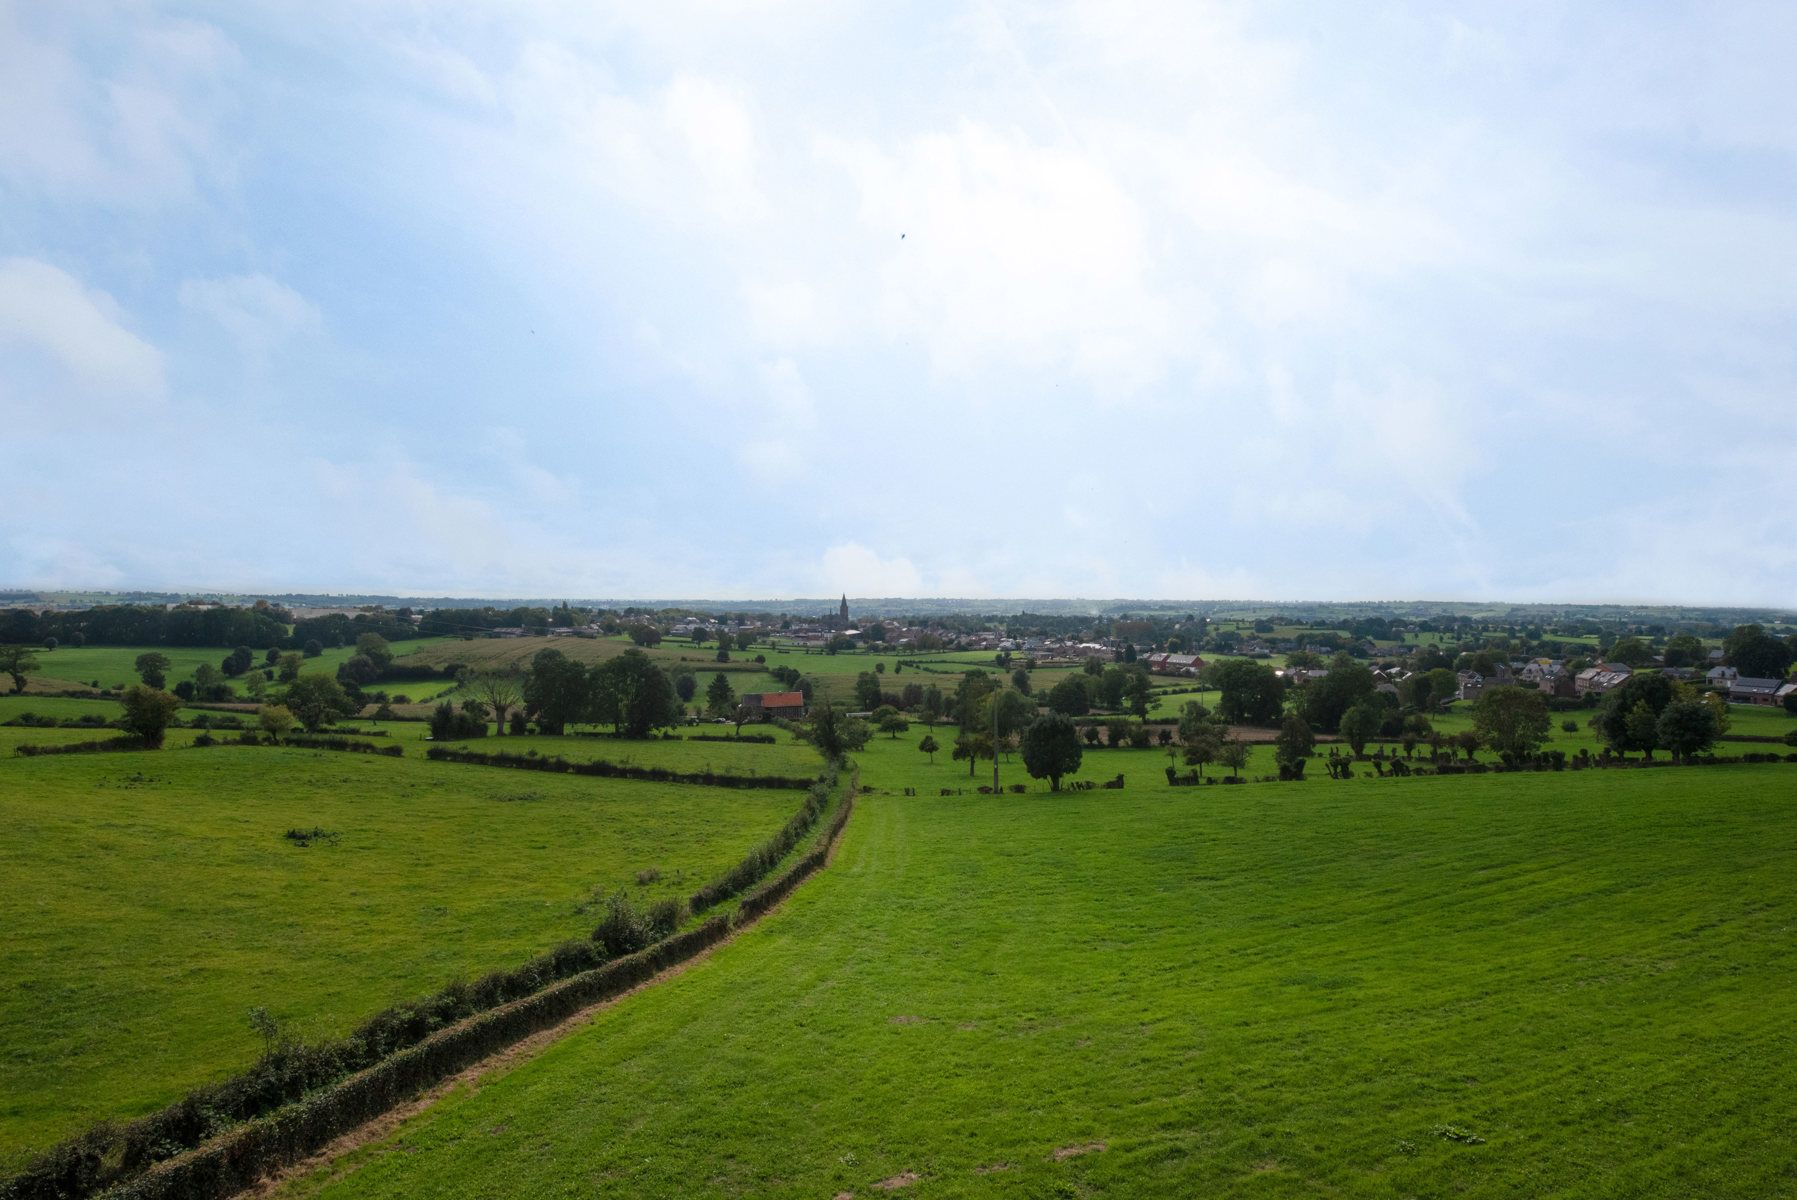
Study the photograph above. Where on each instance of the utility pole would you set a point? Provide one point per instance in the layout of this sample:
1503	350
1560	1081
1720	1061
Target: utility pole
995	740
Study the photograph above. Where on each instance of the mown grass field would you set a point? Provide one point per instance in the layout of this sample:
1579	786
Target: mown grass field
150	900
1570	985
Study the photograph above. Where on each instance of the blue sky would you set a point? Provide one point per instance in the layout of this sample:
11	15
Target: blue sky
1179	300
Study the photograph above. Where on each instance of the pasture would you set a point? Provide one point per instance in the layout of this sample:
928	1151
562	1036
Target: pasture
1494	986
152	899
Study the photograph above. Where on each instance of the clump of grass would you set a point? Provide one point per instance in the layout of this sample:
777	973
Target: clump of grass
305	837
1453	1133
647	876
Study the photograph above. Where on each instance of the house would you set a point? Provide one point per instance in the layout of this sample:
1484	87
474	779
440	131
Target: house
1746	689
1549	676
1471	684
1784	694
1173	664
768	706
1601	678
1722	676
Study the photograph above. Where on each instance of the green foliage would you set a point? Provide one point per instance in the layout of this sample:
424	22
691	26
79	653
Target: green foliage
1512	720
1618	723
1069	698
317	700
1754	652
1249	692
152	666
147	713
18	662
929	746
1686	727
1293	746
719	695
1362	722
1051	749
1323	701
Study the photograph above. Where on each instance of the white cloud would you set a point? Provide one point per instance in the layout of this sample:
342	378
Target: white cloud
259	313
45	309
853	568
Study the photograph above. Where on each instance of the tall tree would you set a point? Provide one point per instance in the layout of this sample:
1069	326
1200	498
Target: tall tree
1249	693
1511	720
1293	746
18	662
632	693
1361	724
867	691
152	667
558	691
719	695
500	691
1051	749
1685	728
147	713
317	700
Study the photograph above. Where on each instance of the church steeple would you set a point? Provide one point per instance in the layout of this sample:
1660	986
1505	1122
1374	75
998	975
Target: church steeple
842	613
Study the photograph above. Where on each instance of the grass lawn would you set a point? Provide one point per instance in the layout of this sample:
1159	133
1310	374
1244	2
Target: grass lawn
150	901
1573	985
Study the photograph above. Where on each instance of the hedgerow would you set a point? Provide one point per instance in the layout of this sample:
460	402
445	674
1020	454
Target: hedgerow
298	1097
611	770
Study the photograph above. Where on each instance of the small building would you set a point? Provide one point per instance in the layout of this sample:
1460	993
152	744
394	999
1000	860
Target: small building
1173	664
1745	689
1722	676
1602	678
768	706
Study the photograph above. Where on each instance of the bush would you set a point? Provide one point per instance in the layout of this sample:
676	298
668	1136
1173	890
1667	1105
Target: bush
1569	726
532	761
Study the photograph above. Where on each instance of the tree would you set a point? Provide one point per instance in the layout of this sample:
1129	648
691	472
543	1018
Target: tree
152	667
18	661
375	649
1233	753
1051	749
1643	728
890	721
629	691
1068	698
973	688
1686	727
644	634
929	704
1630	650
557	690
1293	746
148	712
313	648
1684	650
359	670
1020	679
1643	688
719	695
209	683
1248	692
832	732
1512	720
972	747
275	719
317	700
1362	722
686	684
929	746
500	691
1202	743
1326	699
1754	652
867	691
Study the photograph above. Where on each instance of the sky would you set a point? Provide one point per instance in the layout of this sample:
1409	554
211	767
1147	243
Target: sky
760	298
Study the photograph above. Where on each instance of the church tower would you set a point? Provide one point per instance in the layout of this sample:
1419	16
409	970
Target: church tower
842	613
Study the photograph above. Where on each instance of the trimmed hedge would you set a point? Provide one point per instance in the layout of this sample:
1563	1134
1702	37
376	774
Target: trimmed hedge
764	857
297	1098
117	743
611	770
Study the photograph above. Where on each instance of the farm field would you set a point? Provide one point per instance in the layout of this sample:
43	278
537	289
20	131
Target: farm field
1568	984
151	900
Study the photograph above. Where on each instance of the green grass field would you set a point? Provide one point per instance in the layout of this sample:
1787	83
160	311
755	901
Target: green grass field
1575	985
150	900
